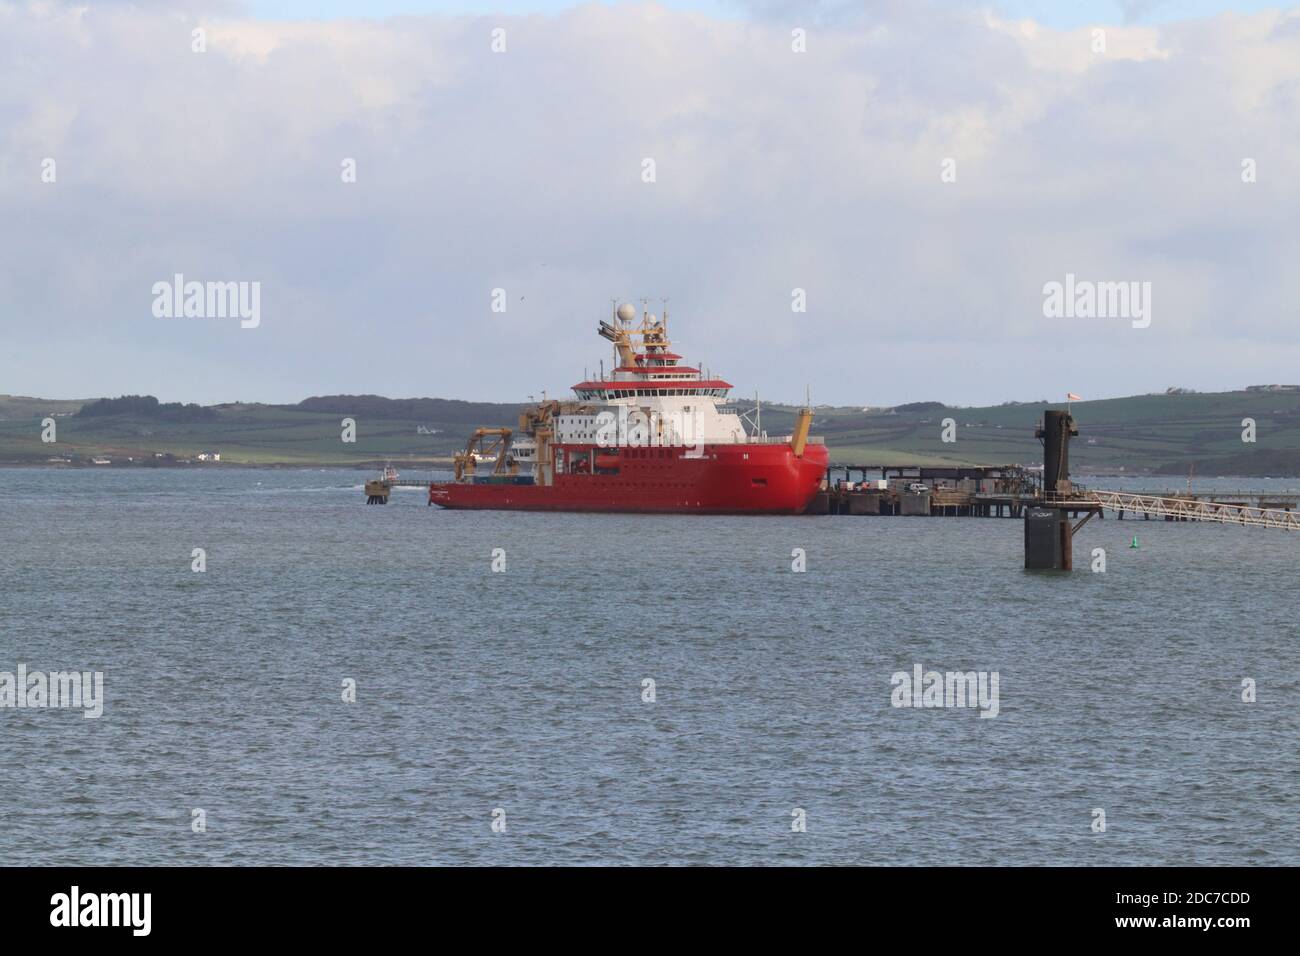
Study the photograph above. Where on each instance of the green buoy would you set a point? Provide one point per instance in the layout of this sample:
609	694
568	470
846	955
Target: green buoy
1135	542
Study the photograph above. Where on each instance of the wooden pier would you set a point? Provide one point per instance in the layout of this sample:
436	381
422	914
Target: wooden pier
941	503
1269	511
986	491
378	489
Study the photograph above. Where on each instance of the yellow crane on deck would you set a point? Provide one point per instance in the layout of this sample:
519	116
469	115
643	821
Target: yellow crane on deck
485	442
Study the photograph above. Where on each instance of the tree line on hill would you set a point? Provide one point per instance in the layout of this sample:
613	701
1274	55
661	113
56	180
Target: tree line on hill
146	406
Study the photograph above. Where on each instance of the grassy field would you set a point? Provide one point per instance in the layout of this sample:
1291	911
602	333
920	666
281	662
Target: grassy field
1149	433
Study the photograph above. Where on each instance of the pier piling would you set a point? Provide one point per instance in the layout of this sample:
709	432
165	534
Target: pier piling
1049	542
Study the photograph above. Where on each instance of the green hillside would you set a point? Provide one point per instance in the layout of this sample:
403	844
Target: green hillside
1156	433
310	433
1149	433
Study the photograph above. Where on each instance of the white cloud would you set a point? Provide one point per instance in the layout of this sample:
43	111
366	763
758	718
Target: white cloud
522	170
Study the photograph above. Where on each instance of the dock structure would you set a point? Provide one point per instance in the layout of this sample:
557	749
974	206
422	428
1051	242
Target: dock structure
1048	506
1012	490
1013	474
377	492
1243	498
378	489
951	491
1189	508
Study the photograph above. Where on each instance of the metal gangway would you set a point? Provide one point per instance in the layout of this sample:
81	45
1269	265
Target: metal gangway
1183	509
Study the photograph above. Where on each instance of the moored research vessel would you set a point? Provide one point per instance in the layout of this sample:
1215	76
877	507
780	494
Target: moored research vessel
650	437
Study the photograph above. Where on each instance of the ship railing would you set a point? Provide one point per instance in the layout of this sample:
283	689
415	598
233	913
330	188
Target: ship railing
742	440
778	440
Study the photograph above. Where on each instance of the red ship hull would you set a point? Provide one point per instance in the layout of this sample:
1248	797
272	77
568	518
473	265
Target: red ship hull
726	479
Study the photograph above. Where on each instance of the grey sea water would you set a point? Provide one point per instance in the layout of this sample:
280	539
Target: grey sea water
522	690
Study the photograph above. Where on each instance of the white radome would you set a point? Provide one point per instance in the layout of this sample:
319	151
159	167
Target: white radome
627	312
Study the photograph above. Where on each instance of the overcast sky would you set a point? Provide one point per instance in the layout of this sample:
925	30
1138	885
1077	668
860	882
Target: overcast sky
775	170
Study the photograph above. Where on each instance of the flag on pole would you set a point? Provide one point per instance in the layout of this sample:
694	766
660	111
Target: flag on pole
1070	396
